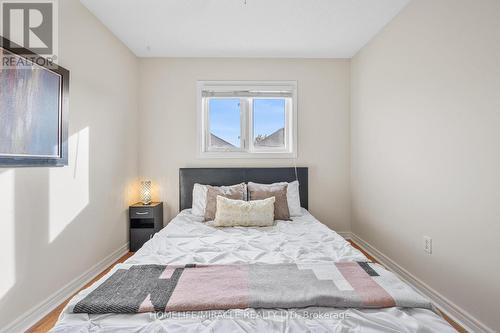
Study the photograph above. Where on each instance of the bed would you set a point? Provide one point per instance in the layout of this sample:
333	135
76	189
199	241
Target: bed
187	240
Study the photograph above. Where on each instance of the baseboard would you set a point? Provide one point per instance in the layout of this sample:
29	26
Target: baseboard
457	314
345	234
35	314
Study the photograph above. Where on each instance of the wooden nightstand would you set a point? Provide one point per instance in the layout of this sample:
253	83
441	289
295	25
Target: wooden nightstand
145	221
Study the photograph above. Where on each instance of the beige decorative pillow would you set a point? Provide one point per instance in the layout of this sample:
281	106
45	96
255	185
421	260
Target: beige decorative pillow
231	213
237	192
281	211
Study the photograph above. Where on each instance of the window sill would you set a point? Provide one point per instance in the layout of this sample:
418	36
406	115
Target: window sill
245	155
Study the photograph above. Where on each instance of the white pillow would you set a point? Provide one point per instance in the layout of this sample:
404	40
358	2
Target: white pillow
199	203
292	196
256	213
199	199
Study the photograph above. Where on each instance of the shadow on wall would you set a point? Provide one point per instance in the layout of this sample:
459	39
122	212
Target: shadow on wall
38	205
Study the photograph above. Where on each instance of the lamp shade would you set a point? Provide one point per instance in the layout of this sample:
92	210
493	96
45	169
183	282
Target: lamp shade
146	192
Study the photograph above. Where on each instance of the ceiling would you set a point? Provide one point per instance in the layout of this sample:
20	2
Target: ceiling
259	28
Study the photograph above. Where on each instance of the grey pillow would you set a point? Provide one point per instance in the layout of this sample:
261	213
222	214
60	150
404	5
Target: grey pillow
260	192
235	192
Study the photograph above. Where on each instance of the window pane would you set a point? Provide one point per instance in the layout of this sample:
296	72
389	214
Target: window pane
225	125
269	122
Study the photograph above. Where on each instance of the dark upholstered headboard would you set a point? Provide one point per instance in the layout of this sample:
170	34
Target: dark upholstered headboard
230	176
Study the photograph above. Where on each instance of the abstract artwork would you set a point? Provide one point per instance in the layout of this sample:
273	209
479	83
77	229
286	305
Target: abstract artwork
31	113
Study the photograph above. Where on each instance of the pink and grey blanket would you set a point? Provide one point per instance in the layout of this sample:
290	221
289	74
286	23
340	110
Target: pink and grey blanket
150	288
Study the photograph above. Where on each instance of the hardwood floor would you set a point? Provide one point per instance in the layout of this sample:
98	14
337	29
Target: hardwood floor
50	320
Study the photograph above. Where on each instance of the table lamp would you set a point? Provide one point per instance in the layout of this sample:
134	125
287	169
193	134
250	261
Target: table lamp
146	192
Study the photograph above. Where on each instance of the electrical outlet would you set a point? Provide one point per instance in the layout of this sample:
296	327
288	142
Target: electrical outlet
428	244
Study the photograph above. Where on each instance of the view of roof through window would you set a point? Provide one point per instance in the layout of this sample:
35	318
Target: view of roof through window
268	122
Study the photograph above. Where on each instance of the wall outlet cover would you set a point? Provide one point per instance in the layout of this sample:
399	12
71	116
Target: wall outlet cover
428	244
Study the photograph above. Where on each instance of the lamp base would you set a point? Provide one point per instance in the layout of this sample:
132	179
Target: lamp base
146	203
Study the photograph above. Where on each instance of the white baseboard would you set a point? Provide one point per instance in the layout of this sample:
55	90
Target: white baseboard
345	234
457	314
35	314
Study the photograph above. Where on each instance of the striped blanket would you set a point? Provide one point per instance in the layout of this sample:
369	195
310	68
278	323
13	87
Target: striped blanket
150	288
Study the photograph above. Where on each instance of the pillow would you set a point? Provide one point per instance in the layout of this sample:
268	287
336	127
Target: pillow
199	203
293	198
231	213
237	192
281	211
199	199
292	194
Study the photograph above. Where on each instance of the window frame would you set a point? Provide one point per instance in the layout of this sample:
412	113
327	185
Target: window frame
247	148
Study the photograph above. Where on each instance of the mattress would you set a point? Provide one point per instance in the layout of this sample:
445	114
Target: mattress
187	240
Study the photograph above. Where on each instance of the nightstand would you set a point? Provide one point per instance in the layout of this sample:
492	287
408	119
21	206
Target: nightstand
145	221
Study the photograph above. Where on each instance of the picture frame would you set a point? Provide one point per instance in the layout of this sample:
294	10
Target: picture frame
34	107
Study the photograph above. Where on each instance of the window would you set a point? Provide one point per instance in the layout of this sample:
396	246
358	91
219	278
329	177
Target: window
224	120
247	119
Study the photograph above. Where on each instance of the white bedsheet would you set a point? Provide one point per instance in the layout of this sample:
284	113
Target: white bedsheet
186	240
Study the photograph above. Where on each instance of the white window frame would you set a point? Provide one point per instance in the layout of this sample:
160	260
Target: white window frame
247	148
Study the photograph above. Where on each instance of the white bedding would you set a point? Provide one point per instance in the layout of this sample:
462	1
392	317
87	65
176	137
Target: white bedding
187	240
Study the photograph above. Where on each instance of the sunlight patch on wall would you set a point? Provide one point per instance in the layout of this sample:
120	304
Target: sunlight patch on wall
69	186
7	235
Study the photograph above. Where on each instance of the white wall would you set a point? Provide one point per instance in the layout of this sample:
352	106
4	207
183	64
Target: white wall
425	147
56	223
168	124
